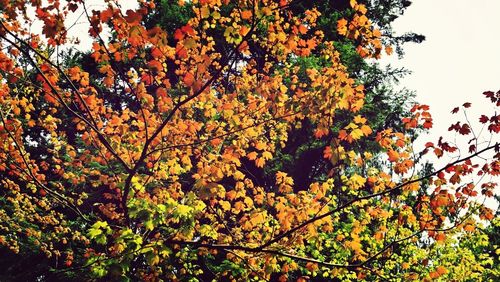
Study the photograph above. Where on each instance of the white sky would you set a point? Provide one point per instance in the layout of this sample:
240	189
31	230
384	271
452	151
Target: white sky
459	60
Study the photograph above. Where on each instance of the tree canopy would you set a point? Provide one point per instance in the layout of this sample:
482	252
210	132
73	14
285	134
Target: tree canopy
231	140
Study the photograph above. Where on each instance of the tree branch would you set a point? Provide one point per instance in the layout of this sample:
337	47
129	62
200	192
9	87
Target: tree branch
349	203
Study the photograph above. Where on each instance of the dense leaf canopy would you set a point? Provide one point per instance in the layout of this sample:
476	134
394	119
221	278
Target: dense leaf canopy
231	140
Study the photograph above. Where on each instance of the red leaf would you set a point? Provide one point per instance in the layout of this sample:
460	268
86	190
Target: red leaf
467	105
494	128
72	7
178	34
455	127
465	129
488	94
40	12
105	15
133	17
147	79
156	53
455	178
472	149
427	124
455	110
188	30
483	119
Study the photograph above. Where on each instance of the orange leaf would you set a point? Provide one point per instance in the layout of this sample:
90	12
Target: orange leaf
441	270
388	50
366	130
260	162
440	237
252	156
393	155
302	29
246	15
342	26
469	228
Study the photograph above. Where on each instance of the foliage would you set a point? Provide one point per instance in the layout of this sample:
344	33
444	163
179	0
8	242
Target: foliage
246	140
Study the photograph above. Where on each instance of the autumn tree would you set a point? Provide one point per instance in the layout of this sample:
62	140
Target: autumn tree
161	156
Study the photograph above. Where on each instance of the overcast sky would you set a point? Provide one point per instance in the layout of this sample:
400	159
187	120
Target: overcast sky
460	58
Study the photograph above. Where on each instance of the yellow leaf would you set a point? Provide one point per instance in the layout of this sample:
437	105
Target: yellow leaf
356	181
359	119
355	246
225	205
266	11
260	145
238	175
205	12
267	156
356	134
248	201
183	211
208	231
238	207
257	219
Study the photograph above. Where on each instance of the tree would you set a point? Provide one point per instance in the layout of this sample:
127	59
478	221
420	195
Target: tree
166	154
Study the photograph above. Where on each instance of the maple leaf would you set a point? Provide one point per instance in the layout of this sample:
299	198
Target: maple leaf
246	14
389	50
267	155
359	119
393	155
366	130
174	135
189	79
252	156
342	26
133	17
356	134
465	129
483	119
427	124
303	29
440	237
259	162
